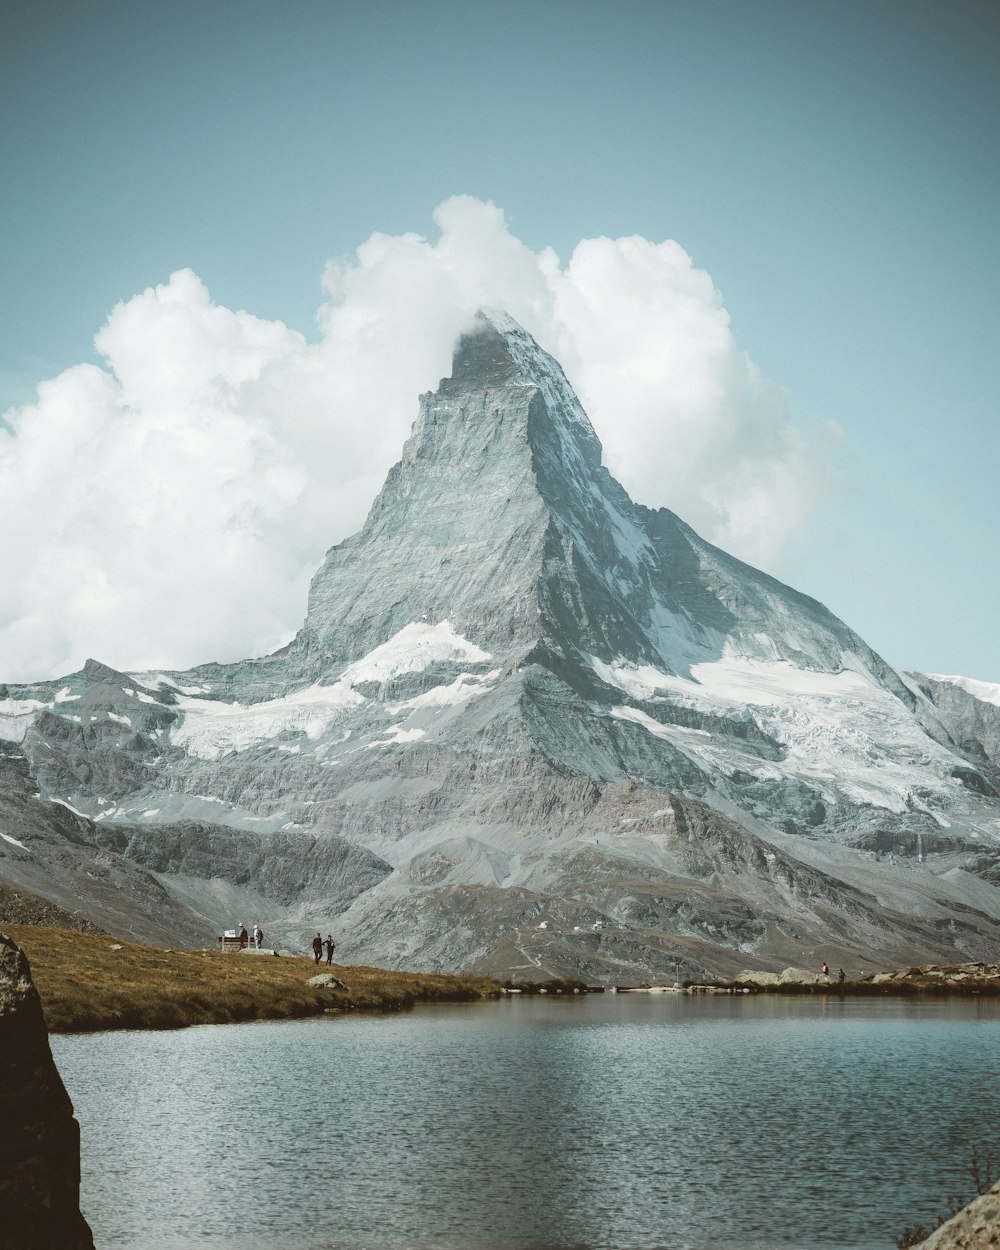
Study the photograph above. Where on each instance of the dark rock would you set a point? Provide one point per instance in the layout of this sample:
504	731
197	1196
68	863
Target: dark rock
40	1144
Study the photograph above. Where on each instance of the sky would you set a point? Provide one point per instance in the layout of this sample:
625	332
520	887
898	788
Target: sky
237	240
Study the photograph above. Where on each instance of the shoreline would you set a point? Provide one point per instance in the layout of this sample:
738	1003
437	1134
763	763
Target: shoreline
930	980
95	983
92	983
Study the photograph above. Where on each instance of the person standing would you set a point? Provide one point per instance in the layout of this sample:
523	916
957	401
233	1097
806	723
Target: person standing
256	936
317	948
826	970
330	947
243	936
259	935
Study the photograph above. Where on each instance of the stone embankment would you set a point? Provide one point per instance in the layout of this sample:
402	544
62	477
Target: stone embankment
40	1143
968	978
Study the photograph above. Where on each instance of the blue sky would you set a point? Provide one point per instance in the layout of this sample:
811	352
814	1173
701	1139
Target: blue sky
833	166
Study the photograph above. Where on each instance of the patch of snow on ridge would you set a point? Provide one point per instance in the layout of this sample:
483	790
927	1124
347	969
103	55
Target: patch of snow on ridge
16	716
842	733
397	734
465	686
211	729
984	691
667	732
152	680
13	841
64	696
414	648
641	681
70	808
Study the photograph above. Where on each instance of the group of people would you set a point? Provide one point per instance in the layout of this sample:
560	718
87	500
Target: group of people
258	936
319	946
841	974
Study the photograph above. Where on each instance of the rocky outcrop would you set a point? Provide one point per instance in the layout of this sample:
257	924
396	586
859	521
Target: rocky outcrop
975	1227
40	1142
971	712
23	907
967	978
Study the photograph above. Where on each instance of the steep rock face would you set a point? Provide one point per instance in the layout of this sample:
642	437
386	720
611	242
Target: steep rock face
40	1143
48	849
506	688
970	711
501	519
975	1227
458	532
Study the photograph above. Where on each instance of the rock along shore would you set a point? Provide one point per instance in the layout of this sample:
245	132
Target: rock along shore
940	979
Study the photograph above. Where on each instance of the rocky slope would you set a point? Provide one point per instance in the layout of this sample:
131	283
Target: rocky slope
530	727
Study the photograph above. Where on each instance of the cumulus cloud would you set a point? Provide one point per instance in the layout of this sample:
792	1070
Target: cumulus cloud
169	507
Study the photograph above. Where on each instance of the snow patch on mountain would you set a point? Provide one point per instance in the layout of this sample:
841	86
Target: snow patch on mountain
396	734
16	716
843	734
152	680
211	729
412	650
465	687
985	691
667	732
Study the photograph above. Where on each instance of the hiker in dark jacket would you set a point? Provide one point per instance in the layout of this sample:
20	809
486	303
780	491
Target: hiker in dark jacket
317	948
329	944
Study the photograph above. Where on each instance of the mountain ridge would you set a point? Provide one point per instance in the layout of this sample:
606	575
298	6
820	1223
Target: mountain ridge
505	648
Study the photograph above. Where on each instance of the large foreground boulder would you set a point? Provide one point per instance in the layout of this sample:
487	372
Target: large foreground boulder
40	1143
975	1227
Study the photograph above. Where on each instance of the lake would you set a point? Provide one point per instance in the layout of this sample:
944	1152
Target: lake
602	1122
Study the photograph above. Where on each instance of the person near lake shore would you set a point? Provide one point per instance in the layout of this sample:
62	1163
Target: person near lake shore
330	945
317	948
826	970
244	937
841	976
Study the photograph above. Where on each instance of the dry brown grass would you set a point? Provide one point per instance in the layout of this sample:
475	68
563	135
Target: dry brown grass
86	985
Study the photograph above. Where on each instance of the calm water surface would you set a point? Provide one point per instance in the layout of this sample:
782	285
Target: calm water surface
609	1122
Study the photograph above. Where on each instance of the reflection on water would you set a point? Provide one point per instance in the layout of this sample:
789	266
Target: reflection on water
612	1122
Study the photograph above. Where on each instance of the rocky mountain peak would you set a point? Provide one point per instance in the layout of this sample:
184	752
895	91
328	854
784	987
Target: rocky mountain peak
562	732
461	528
501	519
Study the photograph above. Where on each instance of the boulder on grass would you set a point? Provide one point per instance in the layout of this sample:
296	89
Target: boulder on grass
326	981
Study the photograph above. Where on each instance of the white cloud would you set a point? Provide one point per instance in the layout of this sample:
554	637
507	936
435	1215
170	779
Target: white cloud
170	507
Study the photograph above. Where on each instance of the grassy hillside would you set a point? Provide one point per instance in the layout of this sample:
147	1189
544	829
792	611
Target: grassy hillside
90	982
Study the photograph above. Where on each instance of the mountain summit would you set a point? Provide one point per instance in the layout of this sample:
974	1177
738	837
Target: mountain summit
500	517
534	728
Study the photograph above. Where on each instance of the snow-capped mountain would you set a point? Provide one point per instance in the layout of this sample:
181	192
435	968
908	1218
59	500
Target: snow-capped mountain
529	701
